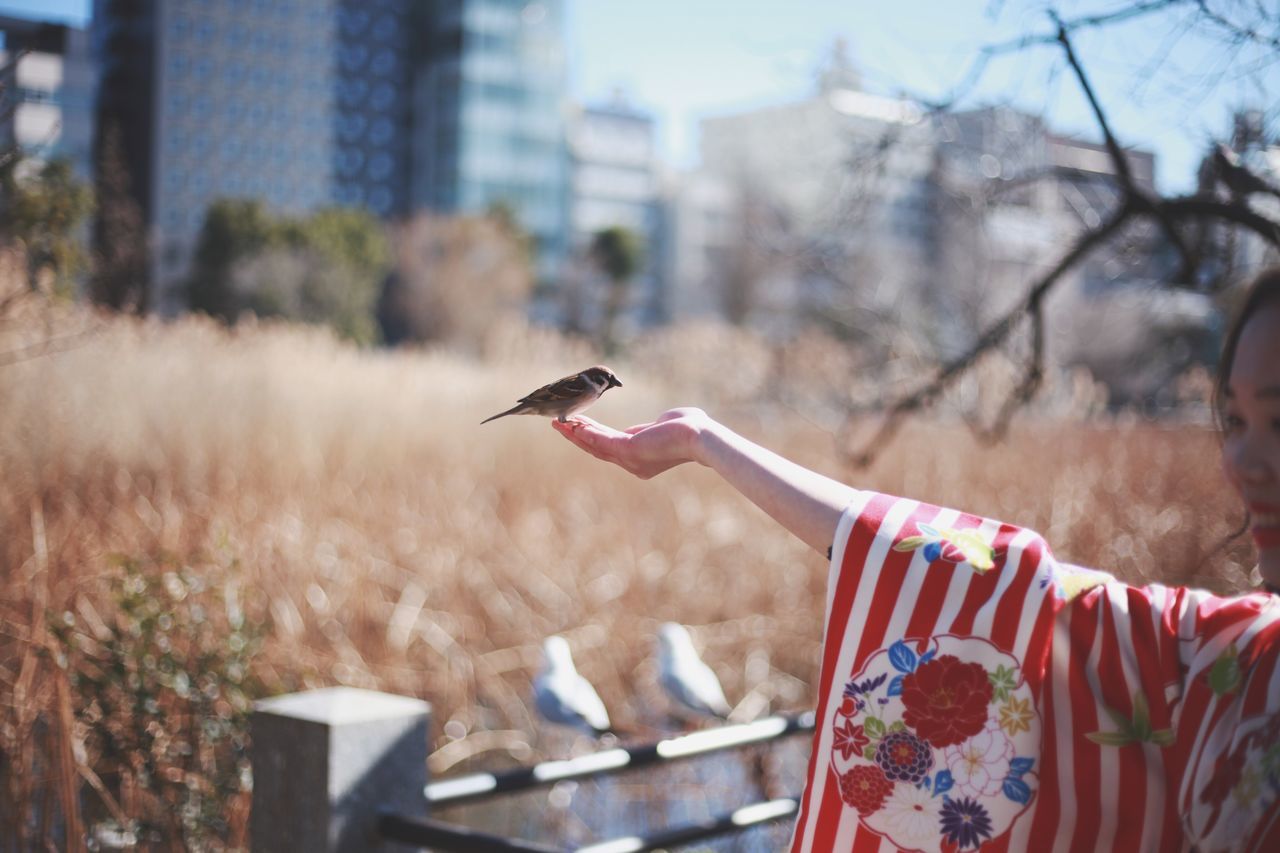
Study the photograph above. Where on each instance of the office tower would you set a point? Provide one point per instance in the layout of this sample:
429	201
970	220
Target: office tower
46	86
489	124
830	210
301	104
391	105
614	184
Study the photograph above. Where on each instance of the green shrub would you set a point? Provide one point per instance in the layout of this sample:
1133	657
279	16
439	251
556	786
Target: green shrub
162	690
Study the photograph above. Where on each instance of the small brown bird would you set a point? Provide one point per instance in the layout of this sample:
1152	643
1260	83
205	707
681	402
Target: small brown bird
565	397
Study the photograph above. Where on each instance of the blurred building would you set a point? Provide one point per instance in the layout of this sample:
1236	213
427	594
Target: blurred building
300	104
390	105
831	201
489	99
1012	198
699	223
868	216
614	183
46	92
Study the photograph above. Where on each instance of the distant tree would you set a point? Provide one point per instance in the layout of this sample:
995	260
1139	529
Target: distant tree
233	230
323	269
619	254
120	273
44	205
453	277
301	284
340	258
349	237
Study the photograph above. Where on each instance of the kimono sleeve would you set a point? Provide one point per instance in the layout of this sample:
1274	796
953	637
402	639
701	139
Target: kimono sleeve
937	634
1228	719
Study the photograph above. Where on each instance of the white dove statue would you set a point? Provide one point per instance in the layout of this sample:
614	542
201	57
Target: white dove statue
684	675
563	696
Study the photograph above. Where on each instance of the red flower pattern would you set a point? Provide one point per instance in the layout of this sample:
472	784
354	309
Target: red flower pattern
865	788
946	700
850	739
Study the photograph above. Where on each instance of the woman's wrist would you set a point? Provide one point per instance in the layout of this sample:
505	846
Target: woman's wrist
803	501
711	439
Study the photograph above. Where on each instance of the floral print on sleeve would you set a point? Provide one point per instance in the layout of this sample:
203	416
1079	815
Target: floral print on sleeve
935	741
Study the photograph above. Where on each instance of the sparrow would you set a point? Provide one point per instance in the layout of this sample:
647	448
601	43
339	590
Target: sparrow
564	397
563	696
685	677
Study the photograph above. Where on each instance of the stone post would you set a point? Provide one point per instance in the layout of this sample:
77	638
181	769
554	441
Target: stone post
327	762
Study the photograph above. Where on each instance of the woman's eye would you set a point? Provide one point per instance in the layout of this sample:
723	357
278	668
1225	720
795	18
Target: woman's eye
1231	422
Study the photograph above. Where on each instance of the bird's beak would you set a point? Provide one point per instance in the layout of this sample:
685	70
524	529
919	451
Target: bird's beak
614	383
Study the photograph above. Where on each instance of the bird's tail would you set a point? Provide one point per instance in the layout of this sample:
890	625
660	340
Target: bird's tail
511	411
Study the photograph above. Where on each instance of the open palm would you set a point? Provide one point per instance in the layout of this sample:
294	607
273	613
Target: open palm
646	450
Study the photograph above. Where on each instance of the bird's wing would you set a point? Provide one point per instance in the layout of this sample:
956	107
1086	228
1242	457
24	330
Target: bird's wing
589	705
703	682
567	388
694	684
570	701
551	704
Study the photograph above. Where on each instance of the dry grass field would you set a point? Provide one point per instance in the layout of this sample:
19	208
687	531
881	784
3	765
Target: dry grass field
192	517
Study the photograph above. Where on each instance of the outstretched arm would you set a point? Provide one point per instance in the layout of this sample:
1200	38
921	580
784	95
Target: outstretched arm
803	501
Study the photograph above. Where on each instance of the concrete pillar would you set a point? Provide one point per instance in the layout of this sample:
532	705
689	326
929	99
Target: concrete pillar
327	762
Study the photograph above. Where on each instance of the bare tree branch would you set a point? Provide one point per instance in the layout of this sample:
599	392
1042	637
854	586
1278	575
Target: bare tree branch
1242	31
1135	204
1028	385
994	336
1118	159
1199	207
991	51
1121	163
1238	178
49	346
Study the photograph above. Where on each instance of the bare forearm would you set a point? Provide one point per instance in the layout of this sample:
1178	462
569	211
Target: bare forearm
803	501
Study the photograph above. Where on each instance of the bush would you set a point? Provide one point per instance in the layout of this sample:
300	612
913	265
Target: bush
324	269
161	689
455	276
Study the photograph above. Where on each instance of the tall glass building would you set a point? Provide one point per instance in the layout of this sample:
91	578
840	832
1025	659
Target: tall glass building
489	104
390	105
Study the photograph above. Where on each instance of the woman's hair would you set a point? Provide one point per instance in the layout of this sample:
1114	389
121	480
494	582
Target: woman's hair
1264	290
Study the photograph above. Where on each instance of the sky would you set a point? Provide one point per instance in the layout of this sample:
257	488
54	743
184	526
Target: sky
1166	85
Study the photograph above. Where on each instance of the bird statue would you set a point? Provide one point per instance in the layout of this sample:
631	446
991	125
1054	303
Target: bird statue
564	697
685	677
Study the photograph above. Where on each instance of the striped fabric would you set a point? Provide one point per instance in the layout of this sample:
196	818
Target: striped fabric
977	693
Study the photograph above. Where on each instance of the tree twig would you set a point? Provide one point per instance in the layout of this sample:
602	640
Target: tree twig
49	346
1133	193
994	336
1017	45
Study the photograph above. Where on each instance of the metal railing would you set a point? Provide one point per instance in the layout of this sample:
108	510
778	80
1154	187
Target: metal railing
341	769
440	835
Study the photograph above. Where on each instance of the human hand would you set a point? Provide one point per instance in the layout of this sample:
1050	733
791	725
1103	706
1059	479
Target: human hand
646	450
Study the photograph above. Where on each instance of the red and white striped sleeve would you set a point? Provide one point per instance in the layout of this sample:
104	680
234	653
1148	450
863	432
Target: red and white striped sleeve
975	692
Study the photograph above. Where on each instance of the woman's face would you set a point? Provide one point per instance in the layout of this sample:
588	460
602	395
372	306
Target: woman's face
1251	449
